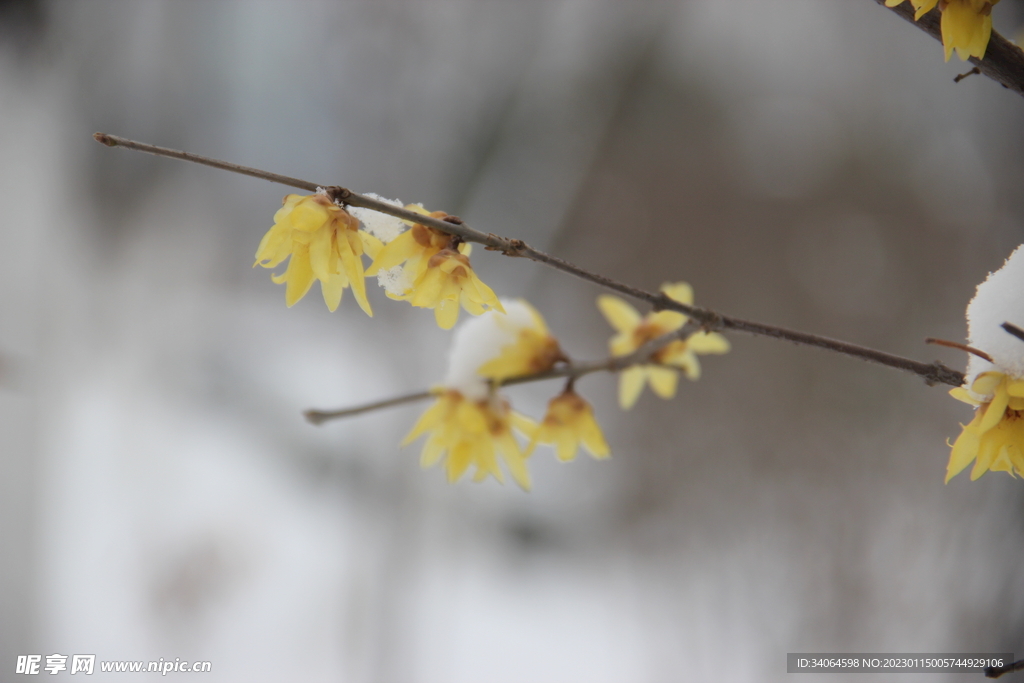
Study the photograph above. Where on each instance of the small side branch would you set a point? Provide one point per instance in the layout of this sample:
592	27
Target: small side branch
572	371
320	416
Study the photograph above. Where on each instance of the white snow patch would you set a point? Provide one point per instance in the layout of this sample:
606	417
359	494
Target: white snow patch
480	339
380	225
999	299
394	280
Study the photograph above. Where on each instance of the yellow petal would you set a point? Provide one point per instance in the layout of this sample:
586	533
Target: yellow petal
371	245
353	267
593	439
565	445
446	313
428	420
678	291
708	342
433	449
965	450
985	384
514	460
274	247
667	321
333	288
631	383
394	252
986	455
618	313
961	394
320	249
299	277
923	7
663	381
461	456
1015	388
995	410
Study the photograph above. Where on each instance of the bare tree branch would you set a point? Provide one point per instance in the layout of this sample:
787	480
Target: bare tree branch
932	373
1003	62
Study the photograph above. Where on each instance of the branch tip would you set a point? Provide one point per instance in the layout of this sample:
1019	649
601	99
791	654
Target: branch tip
104	139
1014	330
963	347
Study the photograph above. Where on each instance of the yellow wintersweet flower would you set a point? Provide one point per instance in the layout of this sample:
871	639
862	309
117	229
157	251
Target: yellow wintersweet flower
472	433
568	423
413	247
534	349
634	332
447	282
436	273
966	24
324	243
994	439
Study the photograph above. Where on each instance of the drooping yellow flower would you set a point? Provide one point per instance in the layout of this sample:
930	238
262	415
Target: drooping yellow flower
436	273
966	27
634	332
966	24
994	439
448	282
568	423
414	248
534	349
324	243
472	433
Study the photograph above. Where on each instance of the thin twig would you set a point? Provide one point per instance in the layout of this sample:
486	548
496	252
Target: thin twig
957	345
573	371
321	416
973	72
1003	62
933	373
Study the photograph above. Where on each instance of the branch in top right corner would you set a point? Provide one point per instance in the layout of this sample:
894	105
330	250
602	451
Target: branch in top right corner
1003	61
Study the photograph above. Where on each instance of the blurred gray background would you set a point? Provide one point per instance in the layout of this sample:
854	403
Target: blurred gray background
801	163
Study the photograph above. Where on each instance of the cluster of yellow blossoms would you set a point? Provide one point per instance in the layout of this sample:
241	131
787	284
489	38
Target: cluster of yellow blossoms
325	243
471	427
966	24
472	424
634	332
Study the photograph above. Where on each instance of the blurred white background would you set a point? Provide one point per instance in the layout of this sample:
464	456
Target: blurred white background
800	163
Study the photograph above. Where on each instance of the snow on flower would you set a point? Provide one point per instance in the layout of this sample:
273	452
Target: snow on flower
384	227
994	439
531	348
435	272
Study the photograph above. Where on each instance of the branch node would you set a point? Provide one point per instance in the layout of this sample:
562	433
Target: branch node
316	417
338	194
515	247
710	321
